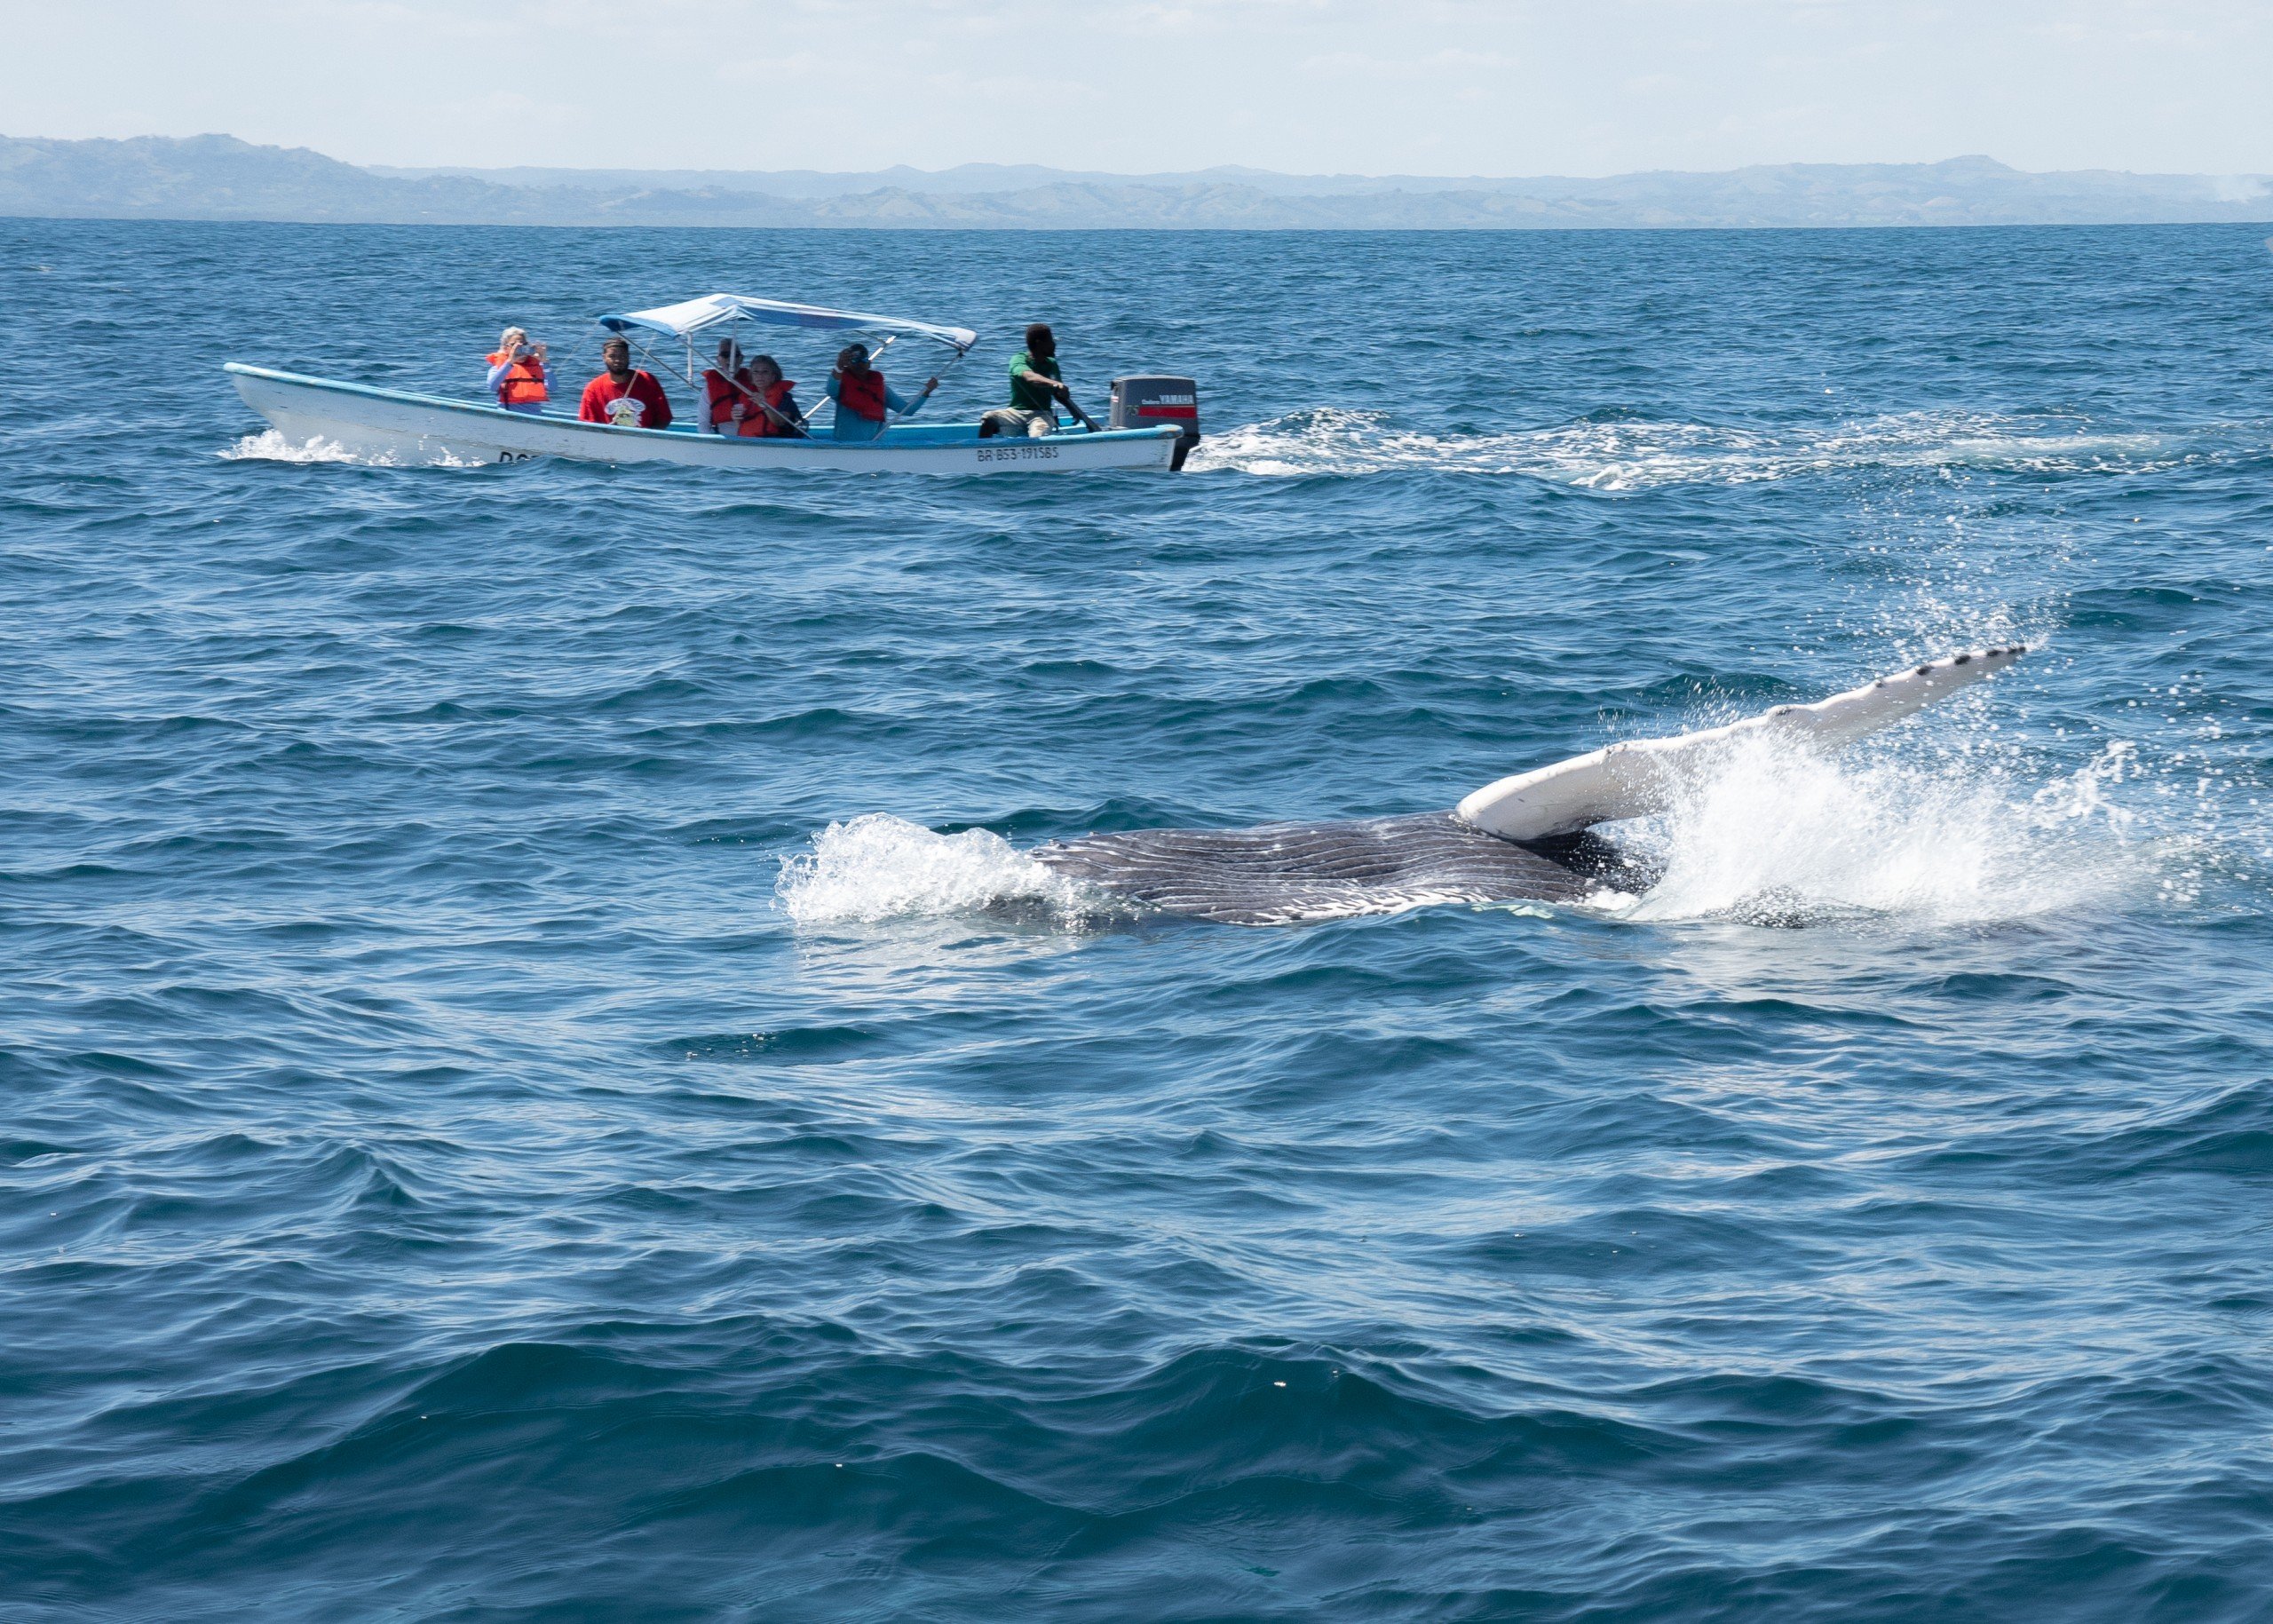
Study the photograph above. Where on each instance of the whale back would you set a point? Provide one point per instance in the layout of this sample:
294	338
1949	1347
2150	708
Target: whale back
1287	873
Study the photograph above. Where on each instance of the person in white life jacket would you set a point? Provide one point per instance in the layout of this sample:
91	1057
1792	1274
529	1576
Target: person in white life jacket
519	376
865	402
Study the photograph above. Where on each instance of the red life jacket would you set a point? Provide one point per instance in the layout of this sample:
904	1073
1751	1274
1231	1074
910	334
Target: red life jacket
862	393
724	396
523	385
755	423
777	396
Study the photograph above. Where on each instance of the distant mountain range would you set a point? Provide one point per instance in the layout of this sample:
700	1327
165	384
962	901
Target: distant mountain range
217	177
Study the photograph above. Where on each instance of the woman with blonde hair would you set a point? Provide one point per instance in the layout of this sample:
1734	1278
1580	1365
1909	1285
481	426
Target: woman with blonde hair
518	374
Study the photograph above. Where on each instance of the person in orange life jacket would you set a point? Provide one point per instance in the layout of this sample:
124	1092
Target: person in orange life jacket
863	400
777	415
519	376
622	397
727	391
753	400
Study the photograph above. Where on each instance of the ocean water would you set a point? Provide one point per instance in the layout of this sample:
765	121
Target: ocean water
539	1084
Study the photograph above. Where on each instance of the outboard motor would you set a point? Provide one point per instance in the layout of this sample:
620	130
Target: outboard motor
1159	402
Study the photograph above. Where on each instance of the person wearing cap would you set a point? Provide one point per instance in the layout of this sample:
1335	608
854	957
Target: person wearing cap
1036	388
519	376
865	402
622	397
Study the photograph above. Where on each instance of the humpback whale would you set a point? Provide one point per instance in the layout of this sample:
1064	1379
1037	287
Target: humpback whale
1529	837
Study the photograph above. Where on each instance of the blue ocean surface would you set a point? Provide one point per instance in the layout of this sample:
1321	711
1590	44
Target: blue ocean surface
539	1082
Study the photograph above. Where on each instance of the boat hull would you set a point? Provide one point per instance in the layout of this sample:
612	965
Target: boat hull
394	426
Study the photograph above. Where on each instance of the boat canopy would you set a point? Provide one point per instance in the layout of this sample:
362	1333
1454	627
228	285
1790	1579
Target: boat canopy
685	320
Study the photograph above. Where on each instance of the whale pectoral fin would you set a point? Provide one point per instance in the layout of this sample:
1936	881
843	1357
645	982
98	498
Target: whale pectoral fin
1633	779
1859	712
1626	780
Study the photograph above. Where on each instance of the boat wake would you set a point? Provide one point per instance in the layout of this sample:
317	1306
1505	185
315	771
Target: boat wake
1617	452
272	446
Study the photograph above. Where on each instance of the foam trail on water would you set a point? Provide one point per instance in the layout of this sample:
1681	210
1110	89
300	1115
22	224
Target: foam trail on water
876	868
1622	454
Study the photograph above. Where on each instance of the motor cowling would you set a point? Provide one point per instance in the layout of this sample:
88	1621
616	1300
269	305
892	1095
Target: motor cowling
1151	402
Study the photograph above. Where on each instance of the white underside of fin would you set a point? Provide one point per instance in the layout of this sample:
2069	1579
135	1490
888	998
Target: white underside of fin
1632	780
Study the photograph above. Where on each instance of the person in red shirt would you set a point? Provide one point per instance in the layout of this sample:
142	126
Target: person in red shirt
622	397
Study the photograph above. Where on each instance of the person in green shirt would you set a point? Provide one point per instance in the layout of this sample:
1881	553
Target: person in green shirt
1036	389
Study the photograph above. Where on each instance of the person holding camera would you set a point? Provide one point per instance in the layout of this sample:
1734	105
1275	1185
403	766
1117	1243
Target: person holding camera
519	376
865	403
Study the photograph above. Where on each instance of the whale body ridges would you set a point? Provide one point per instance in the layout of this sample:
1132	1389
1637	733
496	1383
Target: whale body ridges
1285	872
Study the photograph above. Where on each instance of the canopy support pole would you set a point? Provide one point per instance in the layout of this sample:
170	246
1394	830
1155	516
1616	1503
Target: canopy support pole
950	367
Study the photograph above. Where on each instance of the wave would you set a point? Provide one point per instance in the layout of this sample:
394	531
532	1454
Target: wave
1625	453
1352	1483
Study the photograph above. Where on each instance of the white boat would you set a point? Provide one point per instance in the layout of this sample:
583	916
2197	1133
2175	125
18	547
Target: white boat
399	426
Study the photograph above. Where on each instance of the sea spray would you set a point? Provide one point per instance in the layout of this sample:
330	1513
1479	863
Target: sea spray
877	866
274	446
1780	833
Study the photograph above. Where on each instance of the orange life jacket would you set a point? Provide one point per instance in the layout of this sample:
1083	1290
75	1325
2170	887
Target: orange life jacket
755	423
777	396
523	385
725	394
862	393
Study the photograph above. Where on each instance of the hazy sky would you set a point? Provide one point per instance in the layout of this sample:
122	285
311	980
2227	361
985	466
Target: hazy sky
1585	87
